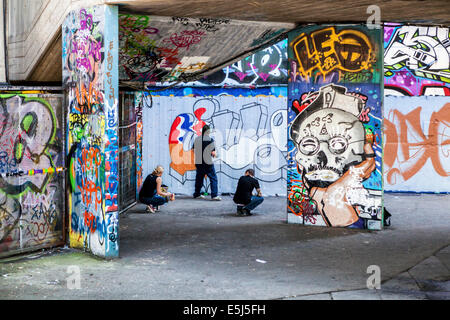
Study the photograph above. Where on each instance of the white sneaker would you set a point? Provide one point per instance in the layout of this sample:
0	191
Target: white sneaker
216	199
200	197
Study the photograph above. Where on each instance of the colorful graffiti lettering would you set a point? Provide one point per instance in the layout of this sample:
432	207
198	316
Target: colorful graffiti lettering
139	140
248	135
417	61
325	50
140	57
424	51
266	67
92	141
31	188
27	137
408	148
83	49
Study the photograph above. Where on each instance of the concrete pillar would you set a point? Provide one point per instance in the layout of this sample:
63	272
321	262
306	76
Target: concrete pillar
335	98
90	78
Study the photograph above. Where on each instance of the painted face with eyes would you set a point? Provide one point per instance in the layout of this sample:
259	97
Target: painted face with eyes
328	141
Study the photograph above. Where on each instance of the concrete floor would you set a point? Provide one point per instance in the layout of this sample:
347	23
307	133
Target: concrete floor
199	249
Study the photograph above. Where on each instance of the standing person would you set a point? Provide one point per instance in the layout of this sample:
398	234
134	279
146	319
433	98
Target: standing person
204	152
243	197
152	193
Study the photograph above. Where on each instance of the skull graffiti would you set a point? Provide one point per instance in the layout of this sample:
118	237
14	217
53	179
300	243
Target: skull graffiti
329	136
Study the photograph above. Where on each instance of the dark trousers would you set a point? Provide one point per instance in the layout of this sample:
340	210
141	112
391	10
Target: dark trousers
210	172
256	201
154	201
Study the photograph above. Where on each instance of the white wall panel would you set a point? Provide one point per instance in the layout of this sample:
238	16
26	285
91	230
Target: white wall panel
250	132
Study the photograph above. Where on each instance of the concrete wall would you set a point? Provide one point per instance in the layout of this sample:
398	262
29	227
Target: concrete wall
32	179
33	28
417	108
335	119
250	132
2	47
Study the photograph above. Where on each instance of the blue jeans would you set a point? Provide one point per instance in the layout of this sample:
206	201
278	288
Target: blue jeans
200	174
256	201
154	201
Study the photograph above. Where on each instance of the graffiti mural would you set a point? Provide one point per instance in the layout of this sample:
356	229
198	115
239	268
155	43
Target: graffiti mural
416	61
31	172
250	132
90	57
266	67
162	49
417	144
138	103
335	141
334	56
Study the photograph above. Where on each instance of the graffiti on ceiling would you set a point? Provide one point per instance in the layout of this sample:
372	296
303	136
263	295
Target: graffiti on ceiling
167	49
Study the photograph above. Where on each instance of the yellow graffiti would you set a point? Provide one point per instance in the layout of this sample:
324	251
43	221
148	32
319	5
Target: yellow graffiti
325	50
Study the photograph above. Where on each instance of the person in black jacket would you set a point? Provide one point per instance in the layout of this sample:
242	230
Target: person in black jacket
243	197
152	192
204	152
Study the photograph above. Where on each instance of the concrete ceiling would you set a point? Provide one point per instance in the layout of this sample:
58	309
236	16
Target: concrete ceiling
296	11
161	49
284	11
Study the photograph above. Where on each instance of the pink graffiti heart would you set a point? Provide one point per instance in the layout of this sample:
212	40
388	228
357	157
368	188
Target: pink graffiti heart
264	76
240	75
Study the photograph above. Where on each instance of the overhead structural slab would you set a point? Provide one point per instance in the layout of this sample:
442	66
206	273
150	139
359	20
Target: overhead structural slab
167	49
296	11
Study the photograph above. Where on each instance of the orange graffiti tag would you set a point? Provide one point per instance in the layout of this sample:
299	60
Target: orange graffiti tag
406	143
87	99
90	193
182	161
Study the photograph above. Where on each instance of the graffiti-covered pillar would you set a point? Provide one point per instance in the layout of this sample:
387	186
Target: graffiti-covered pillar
90	78
335	96
417	108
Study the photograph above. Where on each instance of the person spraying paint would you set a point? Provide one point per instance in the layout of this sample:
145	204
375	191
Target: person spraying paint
153	192
204	152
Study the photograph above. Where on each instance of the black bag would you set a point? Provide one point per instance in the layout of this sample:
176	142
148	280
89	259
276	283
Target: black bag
387	217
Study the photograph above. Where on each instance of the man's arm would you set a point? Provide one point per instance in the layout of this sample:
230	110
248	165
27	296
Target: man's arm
213	152
258	188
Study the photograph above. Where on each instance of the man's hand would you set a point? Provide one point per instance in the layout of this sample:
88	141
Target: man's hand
332	202
259	192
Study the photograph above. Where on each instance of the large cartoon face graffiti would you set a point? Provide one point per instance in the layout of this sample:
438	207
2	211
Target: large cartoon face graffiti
328	139
27	132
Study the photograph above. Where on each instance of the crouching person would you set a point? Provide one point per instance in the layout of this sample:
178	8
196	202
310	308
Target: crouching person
243	197
152	192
